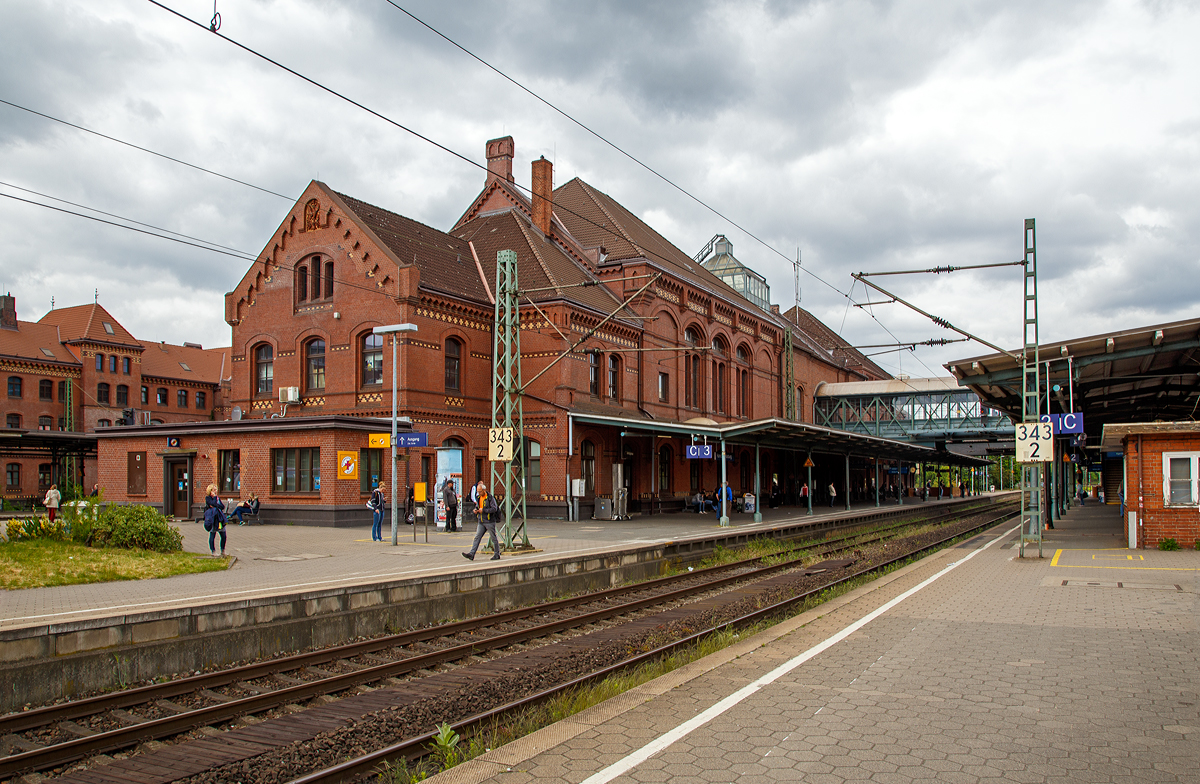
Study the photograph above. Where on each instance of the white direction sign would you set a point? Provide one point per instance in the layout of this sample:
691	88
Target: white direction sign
1035	442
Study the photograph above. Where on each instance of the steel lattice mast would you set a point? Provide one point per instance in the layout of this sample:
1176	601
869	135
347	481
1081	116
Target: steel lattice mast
507	395
1031	473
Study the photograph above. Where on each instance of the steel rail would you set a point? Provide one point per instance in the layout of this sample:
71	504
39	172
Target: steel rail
39	717
124	737
417	747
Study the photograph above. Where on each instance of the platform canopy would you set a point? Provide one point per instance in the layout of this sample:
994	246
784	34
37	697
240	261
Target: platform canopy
1137	375
15	442
781	434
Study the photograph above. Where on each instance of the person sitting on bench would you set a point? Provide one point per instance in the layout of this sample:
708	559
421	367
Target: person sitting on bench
699	501
249	506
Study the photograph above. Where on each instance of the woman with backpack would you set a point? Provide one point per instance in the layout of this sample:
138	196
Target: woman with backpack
377	503
214	519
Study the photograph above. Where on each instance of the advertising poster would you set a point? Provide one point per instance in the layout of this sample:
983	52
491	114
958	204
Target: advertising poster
449	466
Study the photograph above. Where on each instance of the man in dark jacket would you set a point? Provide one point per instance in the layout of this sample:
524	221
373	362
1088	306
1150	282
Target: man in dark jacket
450	499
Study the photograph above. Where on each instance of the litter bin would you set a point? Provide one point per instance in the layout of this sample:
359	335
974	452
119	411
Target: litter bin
748	503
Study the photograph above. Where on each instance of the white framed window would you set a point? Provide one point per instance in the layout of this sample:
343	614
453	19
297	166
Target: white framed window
1180	477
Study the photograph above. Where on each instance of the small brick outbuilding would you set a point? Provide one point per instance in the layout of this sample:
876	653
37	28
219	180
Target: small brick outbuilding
1161	489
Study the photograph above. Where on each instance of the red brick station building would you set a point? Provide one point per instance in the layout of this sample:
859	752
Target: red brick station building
306	381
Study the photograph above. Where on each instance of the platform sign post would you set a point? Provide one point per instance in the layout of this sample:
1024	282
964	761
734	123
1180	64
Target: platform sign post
1032	501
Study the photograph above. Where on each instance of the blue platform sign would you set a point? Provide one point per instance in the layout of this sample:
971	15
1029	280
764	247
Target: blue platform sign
1065	423
412	439
695	451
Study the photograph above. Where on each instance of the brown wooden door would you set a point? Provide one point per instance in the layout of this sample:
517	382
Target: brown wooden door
182	488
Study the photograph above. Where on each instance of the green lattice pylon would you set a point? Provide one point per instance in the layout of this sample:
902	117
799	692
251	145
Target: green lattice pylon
507	408
789	377
1032	511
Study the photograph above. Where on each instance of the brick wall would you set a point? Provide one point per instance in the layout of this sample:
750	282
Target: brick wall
1159	519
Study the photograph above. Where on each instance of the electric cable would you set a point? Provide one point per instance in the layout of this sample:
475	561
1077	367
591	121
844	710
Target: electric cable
119	217
146	150
450	151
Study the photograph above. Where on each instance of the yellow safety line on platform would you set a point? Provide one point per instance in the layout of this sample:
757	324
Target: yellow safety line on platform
1054	562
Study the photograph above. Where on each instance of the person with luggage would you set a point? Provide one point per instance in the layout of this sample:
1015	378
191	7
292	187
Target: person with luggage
214	519
488	512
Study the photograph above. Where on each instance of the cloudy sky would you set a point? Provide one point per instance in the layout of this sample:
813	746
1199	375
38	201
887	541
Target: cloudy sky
870	135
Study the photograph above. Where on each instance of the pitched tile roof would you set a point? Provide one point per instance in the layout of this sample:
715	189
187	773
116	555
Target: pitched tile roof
89	322
541	263
31	340
185	363
832	342
444	260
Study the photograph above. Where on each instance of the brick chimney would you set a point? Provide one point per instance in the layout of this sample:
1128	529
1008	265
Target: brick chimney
8	311
543	194
499	159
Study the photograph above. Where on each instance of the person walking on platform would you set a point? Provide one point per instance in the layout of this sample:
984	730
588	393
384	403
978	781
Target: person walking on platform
1083	496
832	494
488	511
214	519
450	498
377	503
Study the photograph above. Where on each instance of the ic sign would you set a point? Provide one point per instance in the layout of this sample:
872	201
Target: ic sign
1065	423
695	451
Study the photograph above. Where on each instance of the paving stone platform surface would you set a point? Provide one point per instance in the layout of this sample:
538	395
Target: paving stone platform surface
1077	667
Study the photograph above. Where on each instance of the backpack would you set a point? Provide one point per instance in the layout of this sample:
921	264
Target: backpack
490	510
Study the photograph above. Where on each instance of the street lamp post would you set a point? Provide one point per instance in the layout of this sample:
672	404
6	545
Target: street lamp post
392	329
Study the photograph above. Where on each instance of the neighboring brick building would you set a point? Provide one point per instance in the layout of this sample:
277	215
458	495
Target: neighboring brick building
689	346
1161	489
77	370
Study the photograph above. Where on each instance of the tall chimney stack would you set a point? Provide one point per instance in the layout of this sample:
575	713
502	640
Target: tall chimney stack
8	311
543	194
499	159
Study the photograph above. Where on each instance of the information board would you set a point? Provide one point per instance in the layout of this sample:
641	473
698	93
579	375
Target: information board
500	444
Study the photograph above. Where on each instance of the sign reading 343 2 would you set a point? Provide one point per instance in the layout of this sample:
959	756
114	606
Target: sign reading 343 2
1035	442
500	444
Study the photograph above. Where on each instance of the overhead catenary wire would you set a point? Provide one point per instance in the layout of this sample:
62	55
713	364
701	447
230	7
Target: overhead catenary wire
146	150
462	157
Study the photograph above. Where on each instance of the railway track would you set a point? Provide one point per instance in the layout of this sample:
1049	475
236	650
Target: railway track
53	736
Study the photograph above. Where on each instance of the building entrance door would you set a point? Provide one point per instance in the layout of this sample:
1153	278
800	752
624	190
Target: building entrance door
181	489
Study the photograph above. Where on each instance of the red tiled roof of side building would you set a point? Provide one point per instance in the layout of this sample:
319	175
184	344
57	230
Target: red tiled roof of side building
31	340
168	361
87	322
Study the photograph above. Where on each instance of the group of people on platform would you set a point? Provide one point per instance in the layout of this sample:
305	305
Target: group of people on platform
484	505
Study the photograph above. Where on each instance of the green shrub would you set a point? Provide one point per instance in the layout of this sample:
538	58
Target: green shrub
36	527
136	527
1168	544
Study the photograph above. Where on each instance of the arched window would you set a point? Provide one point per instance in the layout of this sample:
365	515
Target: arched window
720	385
14	386
694	389
201	401
614	377
691	336
314	293
160	396
314	362
453	365
181	398
328	279
264	370
533	462
125	366
12	420
43	477
102	393
112	363
743	355
99	362
45	423
45	389
301	283
587	467
372	359
594	374
122	395
12	476
665	467
743	392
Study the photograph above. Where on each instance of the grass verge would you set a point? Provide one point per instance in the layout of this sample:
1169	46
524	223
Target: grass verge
41	562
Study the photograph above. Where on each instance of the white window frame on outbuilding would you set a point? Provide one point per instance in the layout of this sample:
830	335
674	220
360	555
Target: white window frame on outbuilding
1193	478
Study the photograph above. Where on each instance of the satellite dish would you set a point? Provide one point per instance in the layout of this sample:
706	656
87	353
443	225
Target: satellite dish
237	414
